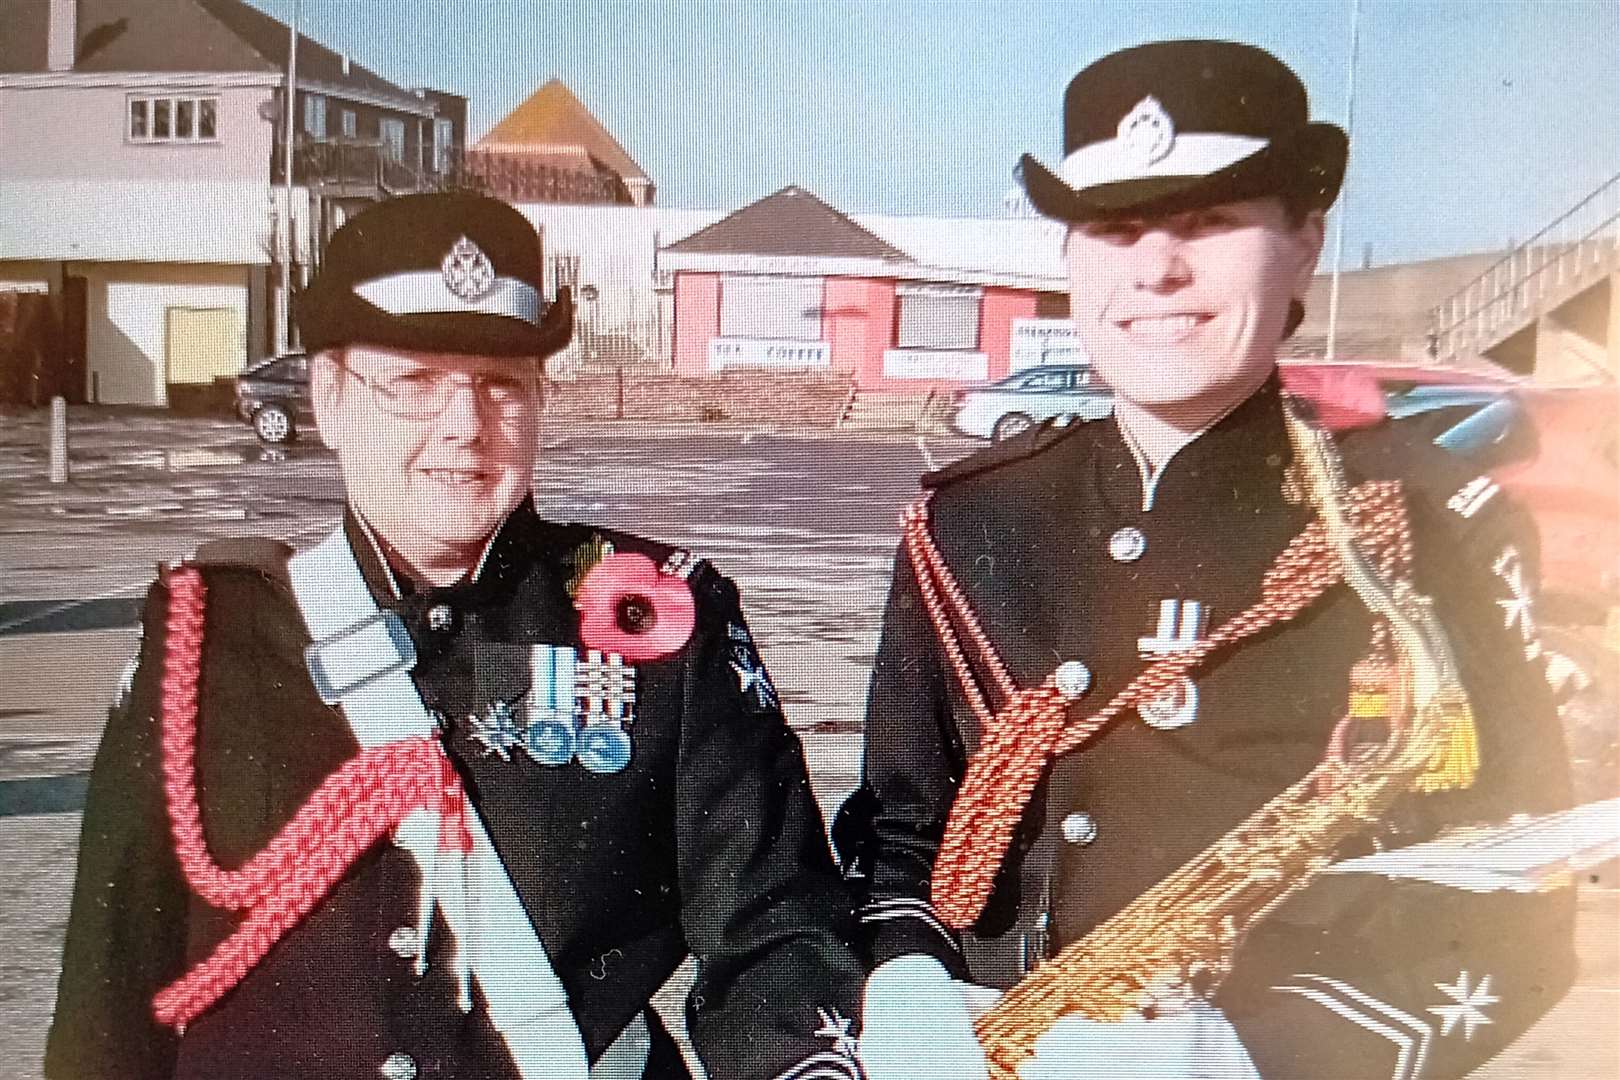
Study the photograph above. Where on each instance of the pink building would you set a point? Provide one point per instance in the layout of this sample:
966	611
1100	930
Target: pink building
789	282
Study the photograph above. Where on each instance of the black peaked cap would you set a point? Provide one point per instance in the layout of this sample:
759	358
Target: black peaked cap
450	273
1202	88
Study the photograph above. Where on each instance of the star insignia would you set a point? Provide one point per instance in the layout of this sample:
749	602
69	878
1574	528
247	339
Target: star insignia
745	661
1467	1007
836	1028
1516	607
751	679
499	729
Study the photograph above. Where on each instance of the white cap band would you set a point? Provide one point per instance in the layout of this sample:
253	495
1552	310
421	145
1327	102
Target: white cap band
424	292
1196	154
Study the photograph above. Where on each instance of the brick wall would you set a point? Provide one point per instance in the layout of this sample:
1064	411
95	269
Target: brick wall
811	400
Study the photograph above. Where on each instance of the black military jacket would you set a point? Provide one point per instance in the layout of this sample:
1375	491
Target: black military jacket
707	843
1355	976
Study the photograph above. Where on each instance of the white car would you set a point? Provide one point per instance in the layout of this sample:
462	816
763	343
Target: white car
1025	398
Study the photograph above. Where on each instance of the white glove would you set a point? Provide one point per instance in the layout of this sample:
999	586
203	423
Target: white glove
917	1023
1194	1043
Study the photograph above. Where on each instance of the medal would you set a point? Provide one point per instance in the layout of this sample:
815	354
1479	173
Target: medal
601	688
550	739
608	688
604	746
550	742
1176	707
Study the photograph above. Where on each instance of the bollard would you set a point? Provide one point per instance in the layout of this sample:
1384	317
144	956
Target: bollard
59	444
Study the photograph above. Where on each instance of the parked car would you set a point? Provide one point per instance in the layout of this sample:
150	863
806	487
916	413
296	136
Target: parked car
1556	449
273	396
1027	397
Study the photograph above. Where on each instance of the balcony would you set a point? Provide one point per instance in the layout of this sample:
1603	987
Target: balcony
363	167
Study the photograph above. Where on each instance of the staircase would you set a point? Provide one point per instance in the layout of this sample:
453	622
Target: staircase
885	410
1573	254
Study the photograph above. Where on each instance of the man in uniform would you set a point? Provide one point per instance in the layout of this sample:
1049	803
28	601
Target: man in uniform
1136	571
454	792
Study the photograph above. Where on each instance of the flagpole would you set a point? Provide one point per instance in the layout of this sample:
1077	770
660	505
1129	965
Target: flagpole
1344	197
285	329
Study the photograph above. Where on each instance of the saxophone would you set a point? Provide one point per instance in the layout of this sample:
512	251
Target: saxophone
1176	940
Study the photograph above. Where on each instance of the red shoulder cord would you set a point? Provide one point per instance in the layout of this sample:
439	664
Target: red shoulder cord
352	809
1031	726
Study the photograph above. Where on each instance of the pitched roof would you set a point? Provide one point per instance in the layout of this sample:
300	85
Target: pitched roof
267	36
178	35
554	120
790	222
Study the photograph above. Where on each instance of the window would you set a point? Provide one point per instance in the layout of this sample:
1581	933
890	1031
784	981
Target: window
172	118
349	126
938	317
1052	305
315	115
785	308
393	137
444	136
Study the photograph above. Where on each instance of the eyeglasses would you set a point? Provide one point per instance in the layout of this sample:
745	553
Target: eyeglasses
423	393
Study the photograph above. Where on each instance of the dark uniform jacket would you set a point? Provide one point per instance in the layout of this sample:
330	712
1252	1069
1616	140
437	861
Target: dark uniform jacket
708	843
1355	976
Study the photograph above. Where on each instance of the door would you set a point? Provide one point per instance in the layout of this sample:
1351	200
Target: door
200	345
75	337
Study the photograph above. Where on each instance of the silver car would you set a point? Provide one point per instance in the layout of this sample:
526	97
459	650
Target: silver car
1027	397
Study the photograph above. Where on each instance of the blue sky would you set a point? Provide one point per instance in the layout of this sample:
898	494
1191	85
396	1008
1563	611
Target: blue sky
1475	122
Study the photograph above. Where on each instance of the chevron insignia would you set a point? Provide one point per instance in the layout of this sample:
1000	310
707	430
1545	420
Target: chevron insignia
1410	1035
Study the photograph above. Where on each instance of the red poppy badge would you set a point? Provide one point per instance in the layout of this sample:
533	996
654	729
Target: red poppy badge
628	606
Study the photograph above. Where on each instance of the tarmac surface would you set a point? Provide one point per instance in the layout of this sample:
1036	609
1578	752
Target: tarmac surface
806	522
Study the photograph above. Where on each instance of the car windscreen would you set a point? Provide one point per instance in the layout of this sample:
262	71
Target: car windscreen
1497	434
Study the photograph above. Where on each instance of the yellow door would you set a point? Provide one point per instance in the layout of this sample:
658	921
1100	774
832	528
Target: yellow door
203	343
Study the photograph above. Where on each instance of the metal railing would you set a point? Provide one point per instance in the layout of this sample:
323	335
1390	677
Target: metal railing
366	164
520	180
1570	254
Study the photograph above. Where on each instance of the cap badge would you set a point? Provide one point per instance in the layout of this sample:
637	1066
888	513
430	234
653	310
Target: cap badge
1147	132
468	272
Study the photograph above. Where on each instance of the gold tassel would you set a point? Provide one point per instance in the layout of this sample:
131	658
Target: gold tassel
1456	759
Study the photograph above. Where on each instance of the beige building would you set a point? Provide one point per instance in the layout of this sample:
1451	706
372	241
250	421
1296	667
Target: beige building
141	178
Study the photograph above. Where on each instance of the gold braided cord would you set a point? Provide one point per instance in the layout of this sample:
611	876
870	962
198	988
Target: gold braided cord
1177	940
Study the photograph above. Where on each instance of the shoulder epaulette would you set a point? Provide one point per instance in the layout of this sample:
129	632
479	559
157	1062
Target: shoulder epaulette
1021	447
249	552
1429	473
